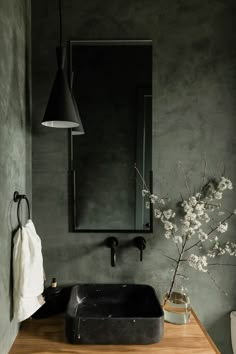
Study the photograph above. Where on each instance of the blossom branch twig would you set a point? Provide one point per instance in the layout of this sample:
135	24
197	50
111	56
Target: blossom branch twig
170	258
176	271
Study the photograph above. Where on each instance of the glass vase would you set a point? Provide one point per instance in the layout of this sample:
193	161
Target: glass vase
177	308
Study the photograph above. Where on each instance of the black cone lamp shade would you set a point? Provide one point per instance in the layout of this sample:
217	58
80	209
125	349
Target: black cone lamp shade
61	111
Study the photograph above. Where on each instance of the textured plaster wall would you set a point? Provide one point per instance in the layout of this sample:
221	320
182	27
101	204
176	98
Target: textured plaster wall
194	117
15	141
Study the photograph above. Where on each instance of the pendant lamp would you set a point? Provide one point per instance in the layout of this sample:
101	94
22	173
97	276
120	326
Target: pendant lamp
61	111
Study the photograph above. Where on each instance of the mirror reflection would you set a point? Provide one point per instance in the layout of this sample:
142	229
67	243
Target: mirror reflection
112	85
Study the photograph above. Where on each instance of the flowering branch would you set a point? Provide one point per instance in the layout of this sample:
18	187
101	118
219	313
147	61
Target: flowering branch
195	211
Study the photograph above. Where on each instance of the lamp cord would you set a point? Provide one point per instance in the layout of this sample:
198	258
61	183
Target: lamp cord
60	21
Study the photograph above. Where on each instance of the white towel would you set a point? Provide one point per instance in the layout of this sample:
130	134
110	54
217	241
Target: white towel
233	330
28	273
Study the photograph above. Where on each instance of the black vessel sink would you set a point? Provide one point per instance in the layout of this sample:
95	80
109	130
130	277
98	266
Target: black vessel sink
114	314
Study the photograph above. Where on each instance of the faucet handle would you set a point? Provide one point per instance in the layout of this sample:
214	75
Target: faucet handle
140	243
112	243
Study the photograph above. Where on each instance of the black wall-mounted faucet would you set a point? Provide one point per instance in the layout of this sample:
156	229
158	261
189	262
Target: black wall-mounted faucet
140	243
112	243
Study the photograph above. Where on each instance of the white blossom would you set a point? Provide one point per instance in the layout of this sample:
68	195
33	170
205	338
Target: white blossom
168	234
202	235
153	198
145	192
188	209
177	239
220	250
162	201
189	233
198	262
192	259
224	183
206	217
167	214
211	254
192	201
168	225
157	213
230	249
190	217
218	195
223	227
196	224
199	209
186	225
199	206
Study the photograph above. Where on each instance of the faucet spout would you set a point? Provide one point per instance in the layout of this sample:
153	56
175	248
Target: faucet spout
140	243
112	243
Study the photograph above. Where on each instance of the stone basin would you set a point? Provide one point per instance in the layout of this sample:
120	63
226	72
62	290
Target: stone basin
113	314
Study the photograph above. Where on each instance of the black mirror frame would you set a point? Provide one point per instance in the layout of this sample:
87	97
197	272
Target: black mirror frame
71	171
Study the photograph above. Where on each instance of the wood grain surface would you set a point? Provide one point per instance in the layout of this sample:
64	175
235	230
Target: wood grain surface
46	336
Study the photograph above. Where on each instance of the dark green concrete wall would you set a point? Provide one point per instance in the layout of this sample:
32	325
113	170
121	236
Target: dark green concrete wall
15	141
194	117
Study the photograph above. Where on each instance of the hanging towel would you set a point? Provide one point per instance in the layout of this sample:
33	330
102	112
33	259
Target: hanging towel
233	330
28	273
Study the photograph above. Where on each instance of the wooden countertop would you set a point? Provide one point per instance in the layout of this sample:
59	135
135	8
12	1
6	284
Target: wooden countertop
46	336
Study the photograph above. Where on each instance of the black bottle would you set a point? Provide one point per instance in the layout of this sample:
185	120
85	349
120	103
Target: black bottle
56	299
52	291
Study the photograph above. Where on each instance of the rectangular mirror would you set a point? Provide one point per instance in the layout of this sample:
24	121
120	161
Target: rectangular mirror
112	85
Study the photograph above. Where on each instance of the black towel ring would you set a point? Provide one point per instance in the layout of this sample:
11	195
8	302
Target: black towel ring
18	198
